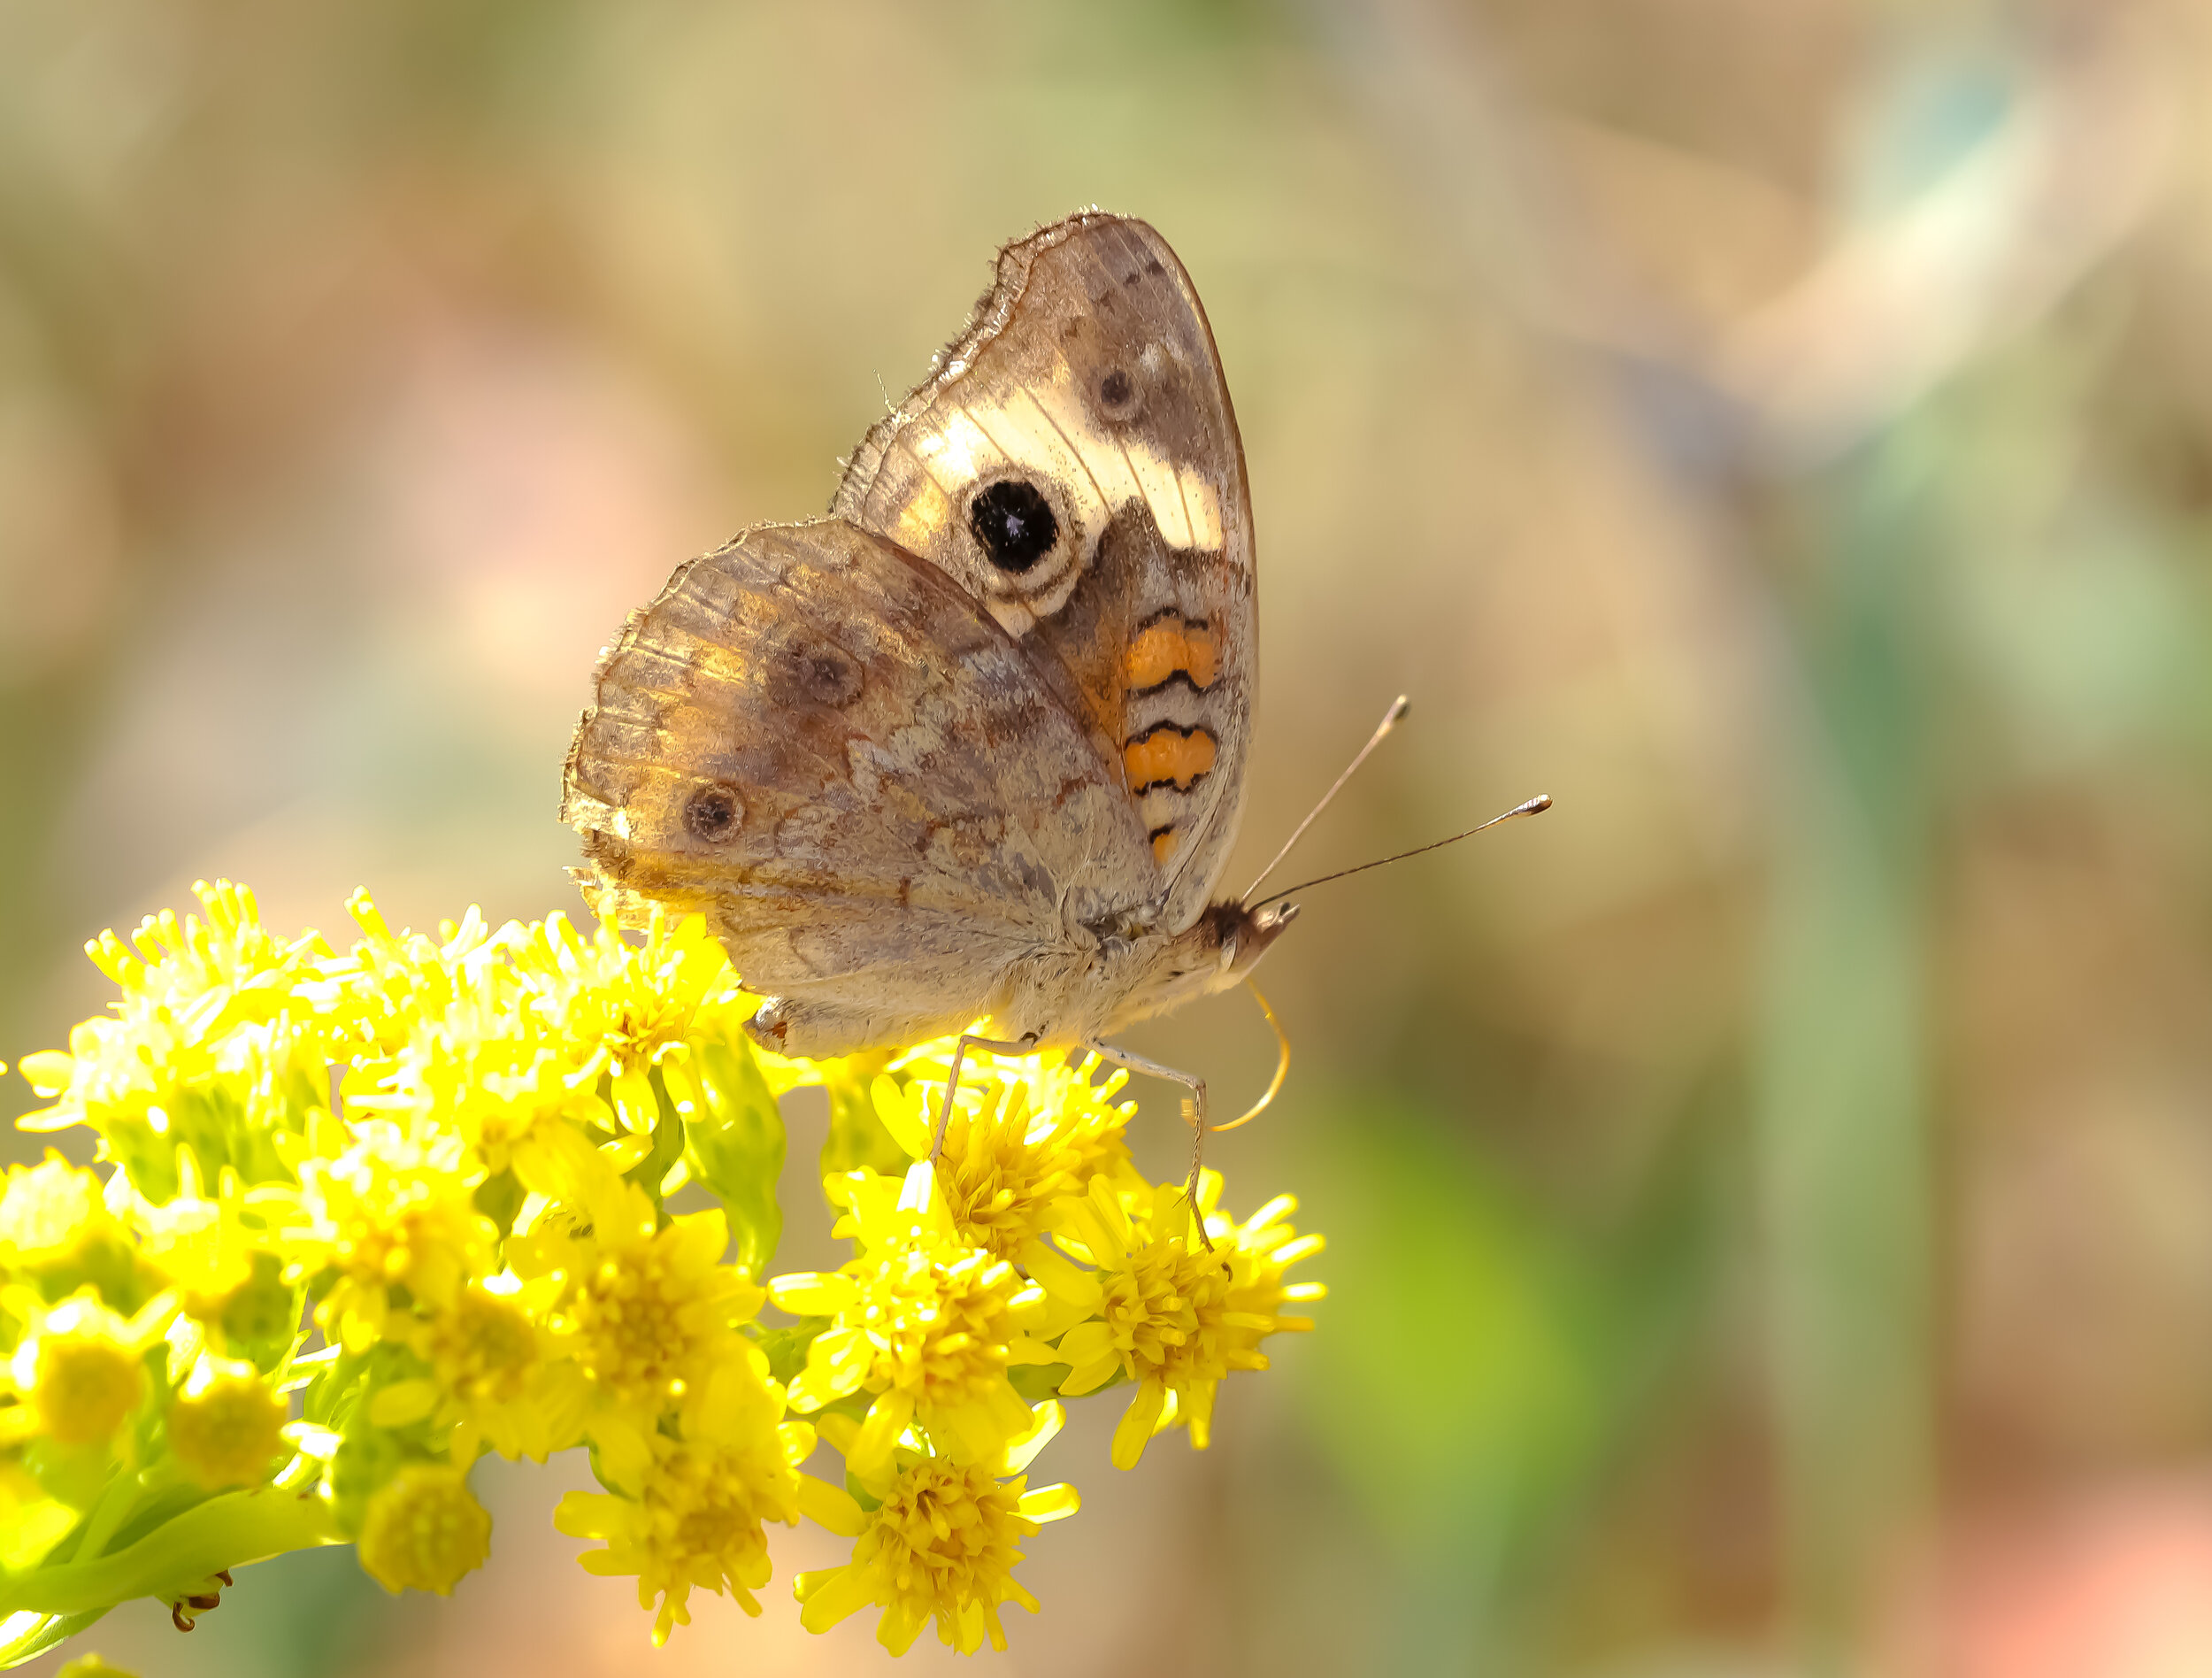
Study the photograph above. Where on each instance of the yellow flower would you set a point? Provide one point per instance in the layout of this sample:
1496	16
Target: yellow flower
208	1249
1035	1135
91	1667
520	1103
191	989
83	1367
286	1123
376	995
49	1213
391	1213
697	1517
922	1320
633	1005
1261	1249
650	1314
424	1530
226	1427
1171	1314
941	1544
492	1380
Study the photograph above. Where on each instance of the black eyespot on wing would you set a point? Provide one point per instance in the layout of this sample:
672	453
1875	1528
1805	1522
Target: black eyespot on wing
712	814
1014	522
1117	395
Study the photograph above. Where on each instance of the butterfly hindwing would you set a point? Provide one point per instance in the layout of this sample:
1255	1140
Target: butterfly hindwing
829	749
1074	466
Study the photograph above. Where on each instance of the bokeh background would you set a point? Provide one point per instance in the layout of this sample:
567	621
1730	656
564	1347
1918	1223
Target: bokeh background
1769	1198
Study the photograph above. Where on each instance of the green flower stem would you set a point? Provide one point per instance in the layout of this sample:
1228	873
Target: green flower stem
228	1531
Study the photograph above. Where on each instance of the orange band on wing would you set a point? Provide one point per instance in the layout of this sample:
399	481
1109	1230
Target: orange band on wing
1173	647
1168	755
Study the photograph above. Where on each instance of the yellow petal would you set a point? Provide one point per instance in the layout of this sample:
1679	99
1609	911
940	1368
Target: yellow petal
1051	1416
887	1420
1049	1502
1137	1423
50	1071
830	1507
812	1293
830	1595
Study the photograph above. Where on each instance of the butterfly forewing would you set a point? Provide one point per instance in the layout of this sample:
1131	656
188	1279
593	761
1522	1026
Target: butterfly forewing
1074	466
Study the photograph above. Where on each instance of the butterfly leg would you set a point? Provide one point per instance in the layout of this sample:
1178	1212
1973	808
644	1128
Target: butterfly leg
1193	1111
952	1083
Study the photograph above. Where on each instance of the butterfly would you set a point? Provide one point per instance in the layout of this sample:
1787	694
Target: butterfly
974	744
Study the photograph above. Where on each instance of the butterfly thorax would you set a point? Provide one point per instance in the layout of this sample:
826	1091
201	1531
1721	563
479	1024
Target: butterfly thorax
1072	996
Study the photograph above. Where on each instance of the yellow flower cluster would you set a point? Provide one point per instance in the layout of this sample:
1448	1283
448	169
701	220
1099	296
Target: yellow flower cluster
373	1213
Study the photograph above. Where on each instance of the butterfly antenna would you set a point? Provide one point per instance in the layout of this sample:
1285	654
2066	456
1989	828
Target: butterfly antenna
1391	717
1541	802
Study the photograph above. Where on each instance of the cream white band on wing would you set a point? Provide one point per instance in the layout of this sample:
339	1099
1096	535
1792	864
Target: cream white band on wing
1045	429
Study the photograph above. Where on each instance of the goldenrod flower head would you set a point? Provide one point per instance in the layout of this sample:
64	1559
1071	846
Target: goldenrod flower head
377	993
49	1213
83	1367
424	1530
1170	1313
484	1347
654	1308
226	1427
457	1149
649	1315
191	992
698	1516
494	1379
925	1321
635	1006
519	1105
392	1211
1023	1137
207	1248
942	1544
1025	1133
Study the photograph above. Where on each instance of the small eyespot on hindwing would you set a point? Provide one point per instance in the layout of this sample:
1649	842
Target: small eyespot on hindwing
712	814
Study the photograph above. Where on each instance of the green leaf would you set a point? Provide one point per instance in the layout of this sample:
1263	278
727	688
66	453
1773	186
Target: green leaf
735	1147
787	1348
42	1634
499	1198
224	1532
1037	1382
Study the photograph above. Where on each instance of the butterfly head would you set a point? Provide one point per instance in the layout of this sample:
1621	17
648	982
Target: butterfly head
1215	953
1242	937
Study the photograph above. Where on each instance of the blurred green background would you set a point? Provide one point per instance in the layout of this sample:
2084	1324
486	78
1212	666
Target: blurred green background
1769	1198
